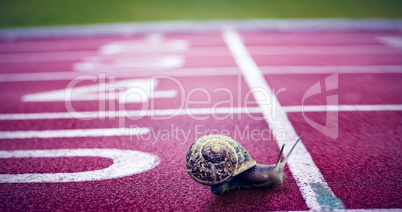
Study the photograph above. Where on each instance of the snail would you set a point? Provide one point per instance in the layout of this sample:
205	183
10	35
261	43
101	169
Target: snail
223	164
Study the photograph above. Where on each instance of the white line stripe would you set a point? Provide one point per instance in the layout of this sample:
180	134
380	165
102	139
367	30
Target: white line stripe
41	76
203	26
392	41
373	210
194	111
51	76
342	108
129	113
72	133
93	55
323	50
45	56
125	163
30	57
364	210
374	69
301	164
228	71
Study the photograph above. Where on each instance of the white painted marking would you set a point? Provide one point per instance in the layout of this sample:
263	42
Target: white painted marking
151	53
133	54
392	41
194	111
376	69
44	76
73	133
323	50
153	45
128	113
300	164
191	52
373	210
227	71
364	210
44	56
125	163
342	108
97	64
135	91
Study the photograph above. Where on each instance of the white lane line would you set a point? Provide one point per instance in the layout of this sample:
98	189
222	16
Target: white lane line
40	76
93	55
226	71
194	111
392	41
323	50
364	210
202	52
72	133
88	115
125	163
45	56
341	108
373	210
150	62
52	76
302	166
374	69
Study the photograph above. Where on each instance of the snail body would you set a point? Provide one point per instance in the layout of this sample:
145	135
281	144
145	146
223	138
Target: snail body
223	164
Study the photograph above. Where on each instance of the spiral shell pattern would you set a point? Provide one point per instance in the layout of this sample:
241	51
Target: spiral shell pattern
213	159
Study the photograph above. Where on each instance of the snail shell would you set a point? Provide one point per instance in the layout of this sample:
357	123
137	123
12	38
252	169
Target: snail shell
213	159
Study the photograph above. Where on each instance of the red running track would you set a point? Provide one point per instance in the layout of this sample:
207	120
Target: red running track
361	166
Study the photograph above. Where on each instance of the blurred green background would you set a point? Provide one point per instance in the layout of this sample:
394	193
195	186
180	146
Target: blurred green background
19	13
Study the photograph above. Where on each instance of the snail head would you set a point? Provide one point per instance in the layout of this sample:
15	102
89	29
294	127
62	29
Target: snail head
278	170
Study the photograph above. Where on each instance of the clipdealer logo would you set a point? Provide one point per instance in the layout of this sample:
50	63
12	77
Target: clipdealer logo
330	128
116	94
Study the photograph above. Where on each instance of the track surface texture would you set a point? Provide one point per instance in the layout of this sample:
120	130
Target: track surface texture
104	122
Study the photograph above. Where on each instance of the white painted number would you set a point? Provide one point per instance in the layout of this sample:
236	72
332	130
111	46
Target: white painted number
135	91
125	163
153	53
